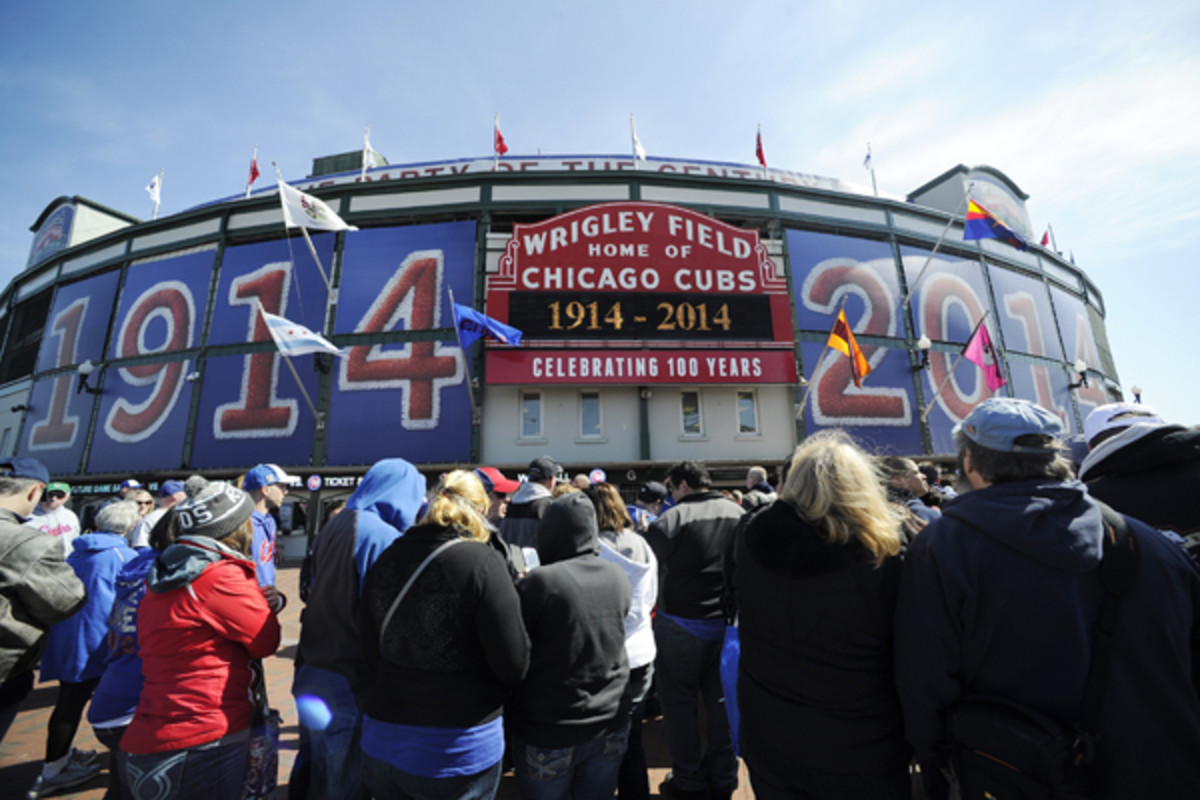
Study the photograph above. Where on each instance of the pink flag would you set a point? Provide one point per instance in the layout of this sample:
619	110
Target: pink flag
982	352
498	141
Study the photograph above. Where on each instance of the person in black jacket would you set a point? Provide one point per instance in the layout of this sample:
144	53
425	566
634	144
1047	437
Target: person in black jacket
445	657
815	578
570	716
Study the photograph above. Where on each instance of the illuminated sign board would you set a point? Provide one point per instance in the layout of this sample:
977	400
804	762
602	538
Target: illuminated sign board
657	293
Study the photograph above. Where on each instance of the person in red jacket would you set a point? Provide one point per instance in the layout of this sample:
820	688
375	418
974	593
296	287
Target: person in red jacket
202	622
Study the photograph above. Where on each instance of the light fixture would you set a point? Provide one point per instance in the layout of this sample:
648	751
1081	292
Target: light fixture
18	408
84	371
192	377
1137	393
923	347
1081	374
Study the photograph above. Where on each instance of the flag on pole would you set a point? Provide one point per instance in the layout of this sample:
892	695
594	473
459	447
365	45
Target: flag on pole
1046	238
758	149
867	158
472	324
980	351
639	152
841	338
302	210
369	158
254	173
982	224
155	189
294	339
498	140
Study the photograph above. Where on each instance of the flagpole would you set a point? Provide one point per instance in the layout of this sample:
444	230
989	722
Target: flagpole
253	160
1053	241
158	196
913	287
820	358
633	141
871	161
495	150
316	414
954	366
366	145
466	361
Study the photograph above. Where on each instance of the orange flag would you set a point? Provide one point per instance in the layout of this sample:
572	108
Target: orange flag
841	338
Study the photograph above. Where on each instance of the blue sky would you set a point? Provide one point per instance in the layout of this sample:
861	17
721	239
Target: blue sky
1093	109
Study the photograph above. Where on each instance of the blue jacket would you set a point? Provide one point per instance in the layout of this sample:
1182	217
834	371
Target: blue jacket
77	646
1001	596
262	551
116	696
383	506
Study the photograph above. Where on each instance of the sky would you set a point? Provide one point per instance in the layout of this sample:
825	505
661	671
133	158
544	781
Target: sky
1093	109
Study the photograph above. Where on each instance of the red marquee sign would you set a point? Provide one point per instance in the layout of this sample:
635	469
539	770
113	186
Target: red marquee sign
659	293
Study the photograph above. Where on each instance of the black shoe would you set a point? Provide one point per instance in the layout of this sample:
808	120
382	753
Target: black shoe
668	788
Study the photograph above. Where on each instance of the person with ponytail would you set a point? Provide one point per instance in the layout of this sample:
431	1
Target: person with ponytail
445	646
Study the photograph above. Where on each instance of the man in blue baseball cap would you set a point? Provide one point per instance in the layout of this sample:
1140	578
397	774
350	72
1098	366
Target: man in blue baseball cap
1001	597
267	484
37	587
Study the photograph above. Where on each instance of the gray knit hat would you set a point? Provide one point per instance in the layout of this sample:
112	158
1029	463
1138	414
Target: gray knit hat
215	511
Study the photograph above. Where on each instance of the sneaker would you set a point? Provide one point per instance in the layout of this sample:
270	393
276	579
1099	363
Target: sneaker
84	757
73	774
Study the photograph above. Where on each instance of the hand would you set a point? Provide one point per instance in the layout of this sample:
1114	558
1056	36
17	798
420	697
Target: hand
276	600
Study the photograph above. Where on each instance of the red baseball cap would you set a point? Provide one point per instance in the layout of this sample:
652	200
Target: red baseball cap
494	481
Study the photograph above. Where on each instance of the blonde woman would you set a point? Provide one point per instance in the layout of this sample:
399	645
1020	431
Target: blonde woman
815	576
445	644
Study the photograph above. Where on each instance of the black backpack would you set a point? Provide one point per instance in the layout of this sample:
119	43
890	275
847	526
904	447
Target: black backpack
1004	750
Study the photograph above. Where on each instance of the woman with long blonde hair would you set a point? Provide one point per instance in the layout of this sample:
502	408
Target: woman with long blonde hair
444	640
815	579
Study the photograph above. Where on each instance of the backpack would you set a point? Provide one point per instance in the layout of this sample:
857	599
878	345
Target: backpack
1002	749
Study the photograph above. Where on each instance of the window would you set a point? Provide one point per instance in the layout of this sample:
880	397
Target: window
747	412
589	415
689	406
531	415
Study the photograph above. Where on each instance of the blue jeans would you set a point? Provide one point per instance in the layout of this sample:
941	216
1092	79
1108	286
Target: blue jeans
388	783
585	771
687	666
333	755
204	773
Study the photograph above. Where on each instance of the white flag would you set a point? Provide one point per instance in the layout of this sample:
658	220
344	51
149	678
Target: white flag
638	150
302	210
155	189
294	339
370	157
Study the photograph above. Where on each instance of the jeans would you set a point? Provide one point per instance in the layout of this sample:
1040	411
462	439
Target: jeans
634	780
333	756
686	666
203	773
388	783
111	738
586	771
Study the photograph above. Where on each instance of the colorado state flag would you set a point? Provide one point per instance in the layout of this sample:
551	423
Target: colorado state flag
981	224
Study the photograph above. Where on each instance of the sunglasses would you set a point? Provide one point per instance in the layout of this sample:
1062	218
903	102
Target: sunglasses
145	502
56	495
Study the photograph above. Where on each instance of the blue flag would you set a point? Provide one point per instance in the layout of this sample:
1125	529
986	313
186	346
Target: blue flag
472	324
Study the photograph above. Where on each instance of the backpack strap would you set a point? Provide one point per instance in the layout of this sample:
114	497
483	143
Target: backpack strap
1119	571
408	585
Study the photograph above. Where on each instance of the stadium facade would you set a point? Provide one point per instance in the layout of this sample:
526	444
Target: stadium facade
670	309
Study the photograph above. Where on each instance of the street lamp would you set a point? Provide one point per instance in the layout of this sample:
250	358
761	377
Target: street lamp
1137	393
923	347
1080	373
84	371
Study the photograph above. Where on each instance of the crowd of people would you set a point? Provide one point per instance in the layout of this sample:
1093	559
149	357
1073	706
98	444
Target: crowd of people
483	623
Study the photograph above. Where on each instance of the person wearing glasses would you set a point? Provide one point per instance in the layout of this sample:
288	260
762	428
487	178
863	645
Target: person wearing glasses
52	516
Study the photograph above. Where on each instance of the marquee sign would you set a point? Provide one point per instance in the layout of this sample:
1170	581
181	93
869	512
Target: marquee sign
656	293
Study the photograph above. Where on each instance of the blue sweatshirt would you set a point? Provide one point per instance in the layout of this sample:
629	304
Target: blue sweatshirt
117	695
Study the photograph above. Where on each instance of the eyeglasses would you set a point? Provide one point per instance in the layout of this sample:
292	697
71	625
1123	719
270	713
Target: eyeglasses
56	495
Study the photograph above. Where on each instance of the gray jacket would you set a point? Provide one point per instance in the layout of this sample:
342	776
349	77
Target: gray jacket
37	589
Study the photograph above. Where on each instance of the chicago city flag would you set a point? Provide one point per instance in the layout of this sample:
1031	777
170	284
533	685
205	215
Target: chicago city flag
294	339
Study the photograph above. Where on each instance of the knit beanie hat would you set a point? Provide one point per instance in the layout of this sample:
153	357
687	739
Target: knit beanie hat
215	510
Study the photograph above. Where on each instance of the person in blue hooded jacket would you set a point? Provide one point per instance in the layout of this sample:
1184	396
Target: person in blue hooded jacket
330	670
77	647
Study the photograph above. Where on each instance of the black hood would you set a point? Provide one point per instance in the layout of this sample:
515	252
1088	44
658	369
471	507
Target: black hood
568	529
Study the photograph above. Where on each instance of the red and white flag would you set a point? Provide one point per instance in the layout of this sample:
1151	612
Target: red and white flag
254	173
981	352
498	141
758	149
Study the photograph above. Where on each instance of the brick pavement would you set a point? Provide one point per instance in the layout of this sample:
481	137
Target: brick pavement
23	748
